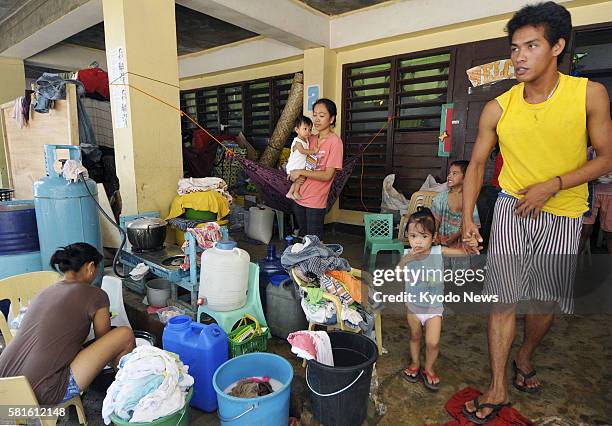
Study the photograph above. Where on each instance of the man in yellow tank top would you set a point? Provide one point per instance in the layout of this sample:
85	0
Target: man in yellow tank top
542	125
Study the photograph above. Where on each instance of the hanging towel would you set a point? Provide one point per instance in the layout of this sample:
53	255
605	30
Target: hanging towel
312	345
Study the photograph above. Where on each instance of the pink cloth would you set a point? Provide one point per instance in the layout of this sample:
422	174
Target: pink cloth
302	345
315	192
312	345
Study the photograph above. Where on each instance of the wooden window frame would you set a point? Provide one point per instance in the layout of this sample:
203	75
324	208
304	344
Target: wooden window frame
392	97
274	100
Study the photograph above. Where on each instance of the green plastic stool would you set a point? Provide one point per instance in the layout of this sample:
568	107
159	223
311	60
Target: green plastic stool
379	237
226	320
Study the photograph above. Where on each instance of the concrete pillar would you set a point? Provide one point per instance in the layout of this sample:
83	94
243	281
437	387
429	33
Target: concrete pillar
12	85
320	66
148	151
320	69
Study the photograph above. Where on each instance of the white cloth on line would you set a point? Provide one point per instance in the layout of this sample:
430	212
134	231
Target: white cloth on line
72	169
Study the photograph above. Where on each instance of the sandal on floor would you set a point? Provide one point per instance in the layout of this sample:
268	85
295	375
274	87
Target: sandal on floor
428	378
411	375
525	376
471	415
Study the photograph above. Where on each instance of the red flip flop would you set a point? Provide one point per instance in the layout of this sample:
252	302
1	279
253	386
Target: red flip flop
428	378
411	374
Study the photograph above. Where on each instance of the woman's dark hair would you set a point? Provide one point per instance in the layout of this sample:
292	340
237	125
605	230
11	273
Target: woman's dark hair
302	119
331	108
462	164
555	19
74	256
424	217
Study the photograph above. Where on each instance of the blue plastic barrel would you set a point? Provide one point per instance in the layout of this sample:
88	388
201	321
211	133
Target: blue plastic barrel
203	347
269	410
18	232
16	264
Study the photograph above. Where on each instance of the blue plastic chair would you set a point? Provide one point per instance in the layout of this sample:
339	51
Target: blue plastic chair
226	320
379	237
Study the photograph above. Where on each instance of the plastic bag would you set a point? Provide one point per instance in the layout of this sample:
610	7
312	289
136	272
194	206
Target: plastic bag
392	200
430	184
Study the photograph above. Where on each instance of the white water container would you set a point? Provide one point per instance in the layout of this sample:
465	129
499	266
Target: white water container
225	277
261	222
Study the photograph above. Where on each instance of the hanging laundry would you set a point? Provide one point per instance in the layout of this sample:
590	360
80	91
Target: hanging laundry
151	383
25	106
312	345
72	169
51	87
95	80
17	112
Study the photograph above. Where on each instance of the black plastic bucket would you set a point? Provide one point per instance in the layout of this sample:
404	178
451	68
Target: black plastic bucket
339	394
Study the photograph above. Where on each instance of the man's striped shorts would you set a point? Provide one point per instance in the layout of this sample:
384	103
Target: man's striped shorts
532	259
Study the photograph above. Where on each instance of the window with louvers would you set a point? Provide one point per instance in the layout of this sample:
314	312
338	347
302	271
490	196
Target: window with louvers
421	90
412	89
249	106
365	111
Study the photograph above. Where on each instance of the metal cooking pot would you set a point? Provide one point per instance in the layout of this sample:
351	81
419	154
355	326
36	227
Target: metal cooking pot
147	233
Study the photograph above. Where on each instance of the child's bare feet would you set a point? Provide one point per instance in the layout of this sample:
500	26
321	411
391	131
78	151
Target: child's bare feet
290	195
297	196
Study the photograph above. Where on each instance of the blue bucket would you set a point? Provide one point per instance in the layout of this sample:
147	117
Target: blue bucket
269	410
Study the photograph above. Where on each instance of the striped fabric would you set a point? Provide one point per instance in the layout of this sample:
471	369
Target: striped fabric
532	259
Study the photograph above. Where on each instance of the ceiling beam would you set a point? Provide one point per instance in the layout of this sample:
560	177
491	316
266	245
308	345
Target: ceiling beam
410	16
240	54
41	24
69	57
282	20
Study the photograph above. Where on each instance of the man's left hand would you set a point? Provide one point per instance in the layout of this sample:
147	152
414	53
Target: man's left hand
535	196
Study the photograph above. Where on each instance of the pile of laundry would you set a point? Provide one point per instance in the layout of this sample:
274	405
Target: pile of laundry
190	185
324	271
206	236
151	383
252	387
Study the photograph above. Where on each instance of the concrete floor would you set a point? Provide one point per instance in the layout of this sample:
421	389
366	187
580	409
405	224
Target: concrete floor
574	363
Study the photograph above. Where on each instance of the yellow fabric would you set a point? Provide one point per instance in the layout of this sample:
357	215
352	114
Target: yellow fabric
210	201
541	141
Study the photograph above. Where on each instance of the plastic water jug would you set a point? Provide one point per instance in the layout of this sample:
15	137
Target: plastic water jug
268	266
225	277
203	348
261	223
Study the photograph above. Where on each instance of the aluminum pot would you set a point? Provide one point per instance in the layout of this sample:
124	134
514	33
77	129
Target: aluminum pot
147	233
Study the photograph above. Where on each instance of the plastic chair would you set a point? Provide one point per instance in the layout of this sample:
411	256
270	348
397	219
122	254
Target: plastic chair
16	391
226	320
379	236
418	199
338	304
20	290
113	287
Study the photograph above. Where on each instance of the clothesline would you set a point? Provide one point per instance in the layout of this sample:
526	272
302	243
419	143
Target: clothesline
229	151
